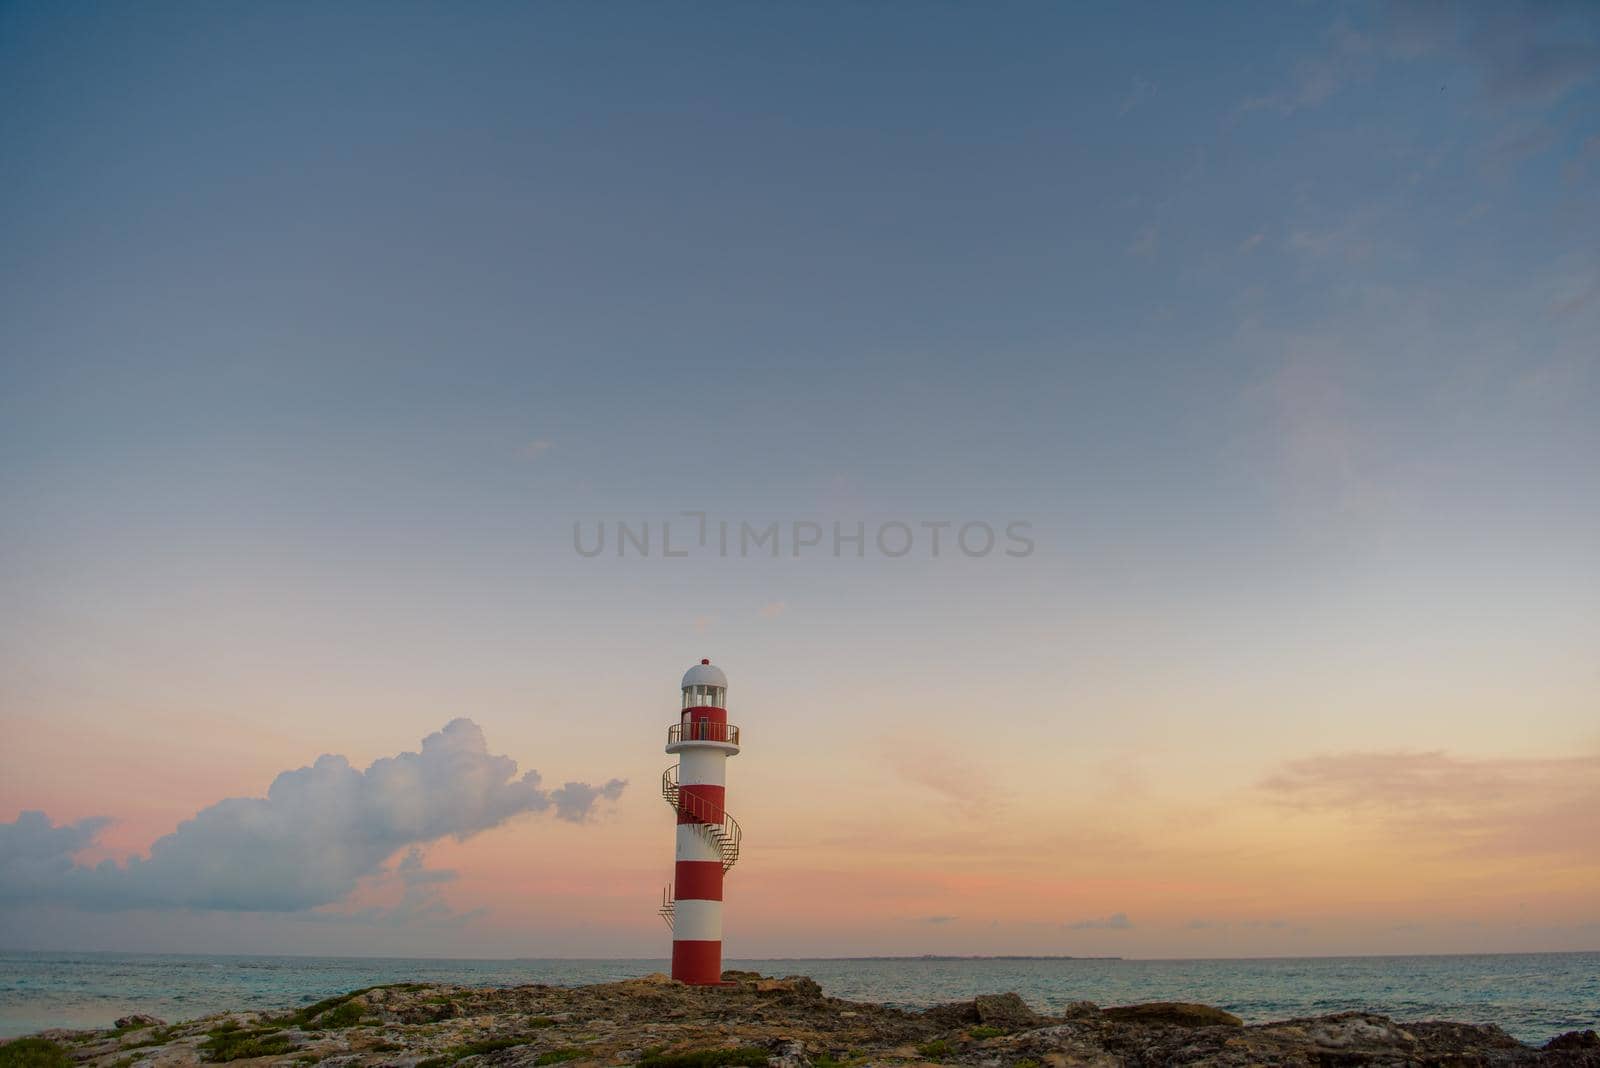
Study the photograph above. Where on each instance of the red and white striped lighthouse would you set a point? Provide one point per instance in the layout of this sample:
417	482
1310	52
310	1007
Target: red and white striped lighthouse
708	838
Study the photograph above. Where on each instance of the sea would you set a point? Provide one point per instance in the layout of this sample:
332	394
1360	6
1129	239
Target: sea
1534	996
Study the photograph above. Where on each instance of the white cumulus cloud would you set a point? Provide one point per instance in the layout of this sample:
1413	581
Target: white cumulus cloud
319	830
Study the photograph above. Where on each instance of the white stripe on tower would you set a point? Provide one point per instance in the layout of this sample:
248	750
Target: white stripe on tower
697	921
695	844
702	767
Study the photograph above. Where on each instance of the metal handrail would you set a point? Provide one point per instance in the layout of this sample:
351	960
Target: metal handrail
702	731
669	906
721	829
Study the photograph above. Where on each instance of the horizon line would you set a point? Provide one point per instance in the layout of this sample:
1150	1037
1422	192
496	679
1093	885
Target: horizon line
869	957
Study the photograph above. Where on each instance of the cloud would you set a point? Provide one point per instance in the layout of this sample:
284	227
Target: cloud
1345	57
1576	169
939	919
773	610
1531	54
1141	91
1117	921
1517	142
535	449
421	903
35	855
1145	241
1509	806
929	763
319	831
575	801
1328	453
1223	925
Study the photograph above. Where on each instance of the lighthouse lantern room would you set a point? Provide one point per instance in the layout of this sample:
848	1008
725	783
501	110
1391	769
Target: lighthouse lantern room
707	837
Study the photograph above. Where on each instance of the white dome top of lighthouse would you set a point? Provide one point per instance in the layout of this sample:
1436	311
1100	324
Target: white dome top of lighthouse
704	674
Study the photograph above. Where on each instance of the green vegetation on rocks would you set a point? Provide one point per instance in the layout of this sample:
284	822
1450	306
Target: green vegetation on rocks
33	1053
750	1056
234	1043
156	1037
339	1010
346	1015
472	1049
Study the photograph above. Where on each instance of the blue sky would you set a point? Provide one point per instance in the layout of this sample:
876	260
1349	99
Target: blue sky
321	327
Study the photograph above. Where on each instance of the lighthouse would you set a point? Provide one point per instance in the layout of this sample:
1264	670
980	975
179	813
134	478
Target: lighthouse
707	837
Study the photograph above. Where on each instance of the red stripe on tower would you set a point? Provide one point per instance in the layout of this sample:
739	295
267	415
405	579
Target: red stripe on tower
700	879
698	963
701	803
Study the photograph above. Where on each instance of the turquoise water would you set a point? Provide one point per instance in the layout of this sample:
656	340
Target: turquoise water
1533	996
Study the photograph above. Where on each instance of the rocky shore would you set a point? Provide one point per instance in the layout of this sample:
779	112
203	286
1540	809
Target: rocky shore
757	1021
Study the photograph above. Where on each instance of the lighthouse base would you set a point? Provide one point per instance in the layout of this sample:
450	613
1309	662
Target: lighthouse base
697	963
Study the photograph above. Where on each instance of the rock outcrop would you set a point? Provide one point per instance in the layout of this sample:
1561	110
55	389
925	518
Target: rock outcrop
764	1022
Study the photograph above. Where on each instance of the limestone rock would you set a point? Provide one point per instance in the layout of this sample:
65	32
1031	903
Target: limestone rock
790	1023
801	986
789	1054
1574	1040
1006	1011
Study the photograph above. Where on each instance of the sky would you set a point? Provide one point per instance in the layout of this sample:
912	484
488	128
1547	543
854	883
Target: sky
1243	363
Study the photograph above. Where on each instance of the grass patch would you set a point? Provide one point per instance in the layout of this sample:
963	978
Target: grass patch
155	1038
541	1021
472	1049
750	1056
303	1016
490	1045
983	1031
344	1014
235	1044
33	1053
1026	1063
828	1060
935	1049
556	1056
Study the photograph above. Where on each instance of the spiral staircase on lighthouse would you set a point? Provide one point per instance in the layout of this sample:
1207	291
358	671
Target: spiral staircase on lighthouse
718	828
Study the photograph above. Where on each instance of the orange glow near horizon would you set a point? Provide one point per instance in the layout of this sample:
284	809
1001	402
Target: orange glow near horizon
941	852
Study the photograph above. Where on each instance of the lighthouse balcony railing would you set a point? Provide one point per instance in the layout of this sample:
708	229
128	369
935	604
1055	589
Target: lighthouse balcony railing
703	731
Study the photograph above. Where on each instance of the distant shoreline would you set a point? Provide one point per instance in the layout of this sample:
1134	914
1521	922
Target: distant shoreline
17	952
944	956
